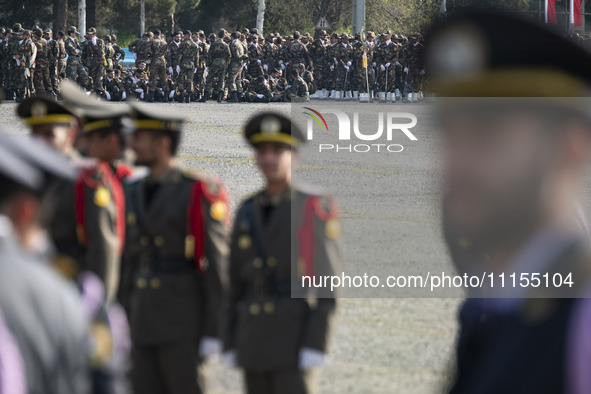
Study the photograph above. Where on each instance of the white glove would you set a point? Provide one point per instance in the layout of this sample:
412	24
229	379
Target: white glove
335	60
170	70
171	95
348	63
18	62
281	62
388	65
260	96
382	67
108	95
134	56
178	69
206	70
282	66
310	358
258	62
230	358
398	63
287	87
195	71
123	95
331	67
265	67
27	73
93	40
406	70
347	68
209	346
422	72
373	64
139	90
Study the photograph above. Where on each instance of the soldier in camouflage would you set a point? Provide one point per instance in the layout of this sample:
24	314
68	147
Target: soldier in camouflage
26	54
217	60
75	71
42	77
96	60
234	70
189	52
158	64
52	58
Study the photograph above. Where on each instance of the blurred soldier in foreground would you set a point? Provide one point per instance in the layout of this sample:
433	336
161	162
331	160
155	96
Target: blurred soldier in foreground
514	170
88	227
174	261
40	308
280	234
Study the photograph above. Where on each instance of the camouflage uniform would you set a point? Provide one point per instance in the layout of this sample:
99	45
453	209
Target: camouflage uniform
269	55
387	56
52	57
217	60
199	78
75	71
296	53
258	91
412	61
298	91
235	68
255	64
61	59
173	59
342	53
115	89
157	66
109	53
96	60
42	78
27	52
318	54
189	60
363	75
119	53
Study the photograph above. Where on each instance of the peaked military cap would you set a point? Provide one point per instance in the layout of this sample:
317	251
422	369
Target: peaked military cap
72	29
273	127
40	111
496	55
144	117
32	163
91	30
48	30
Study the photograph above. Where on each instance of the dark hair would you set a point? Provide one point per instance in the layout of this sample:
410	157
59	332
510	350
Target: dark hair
157	32
293	72
9	189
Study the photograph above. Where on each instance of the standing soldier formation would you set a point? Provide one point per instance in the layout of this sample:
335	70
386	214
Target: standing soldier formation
189	66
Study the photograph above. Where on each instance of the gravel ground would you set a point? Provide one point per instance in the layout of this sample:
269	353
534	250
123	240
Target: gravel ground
382	345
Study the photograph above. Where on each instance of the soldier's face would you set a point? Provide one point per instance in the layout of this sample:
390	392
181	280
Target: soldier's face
274	161
177	38
501	170
105	148
146	146
59	137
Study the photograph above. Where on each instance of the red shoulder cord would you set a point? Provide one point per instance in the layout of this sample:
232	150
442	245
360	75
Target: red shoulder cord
306	237
195	225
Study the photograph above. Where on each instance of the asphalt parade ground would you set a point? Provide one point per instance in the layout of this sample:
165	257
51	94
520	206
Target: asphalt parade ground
382	344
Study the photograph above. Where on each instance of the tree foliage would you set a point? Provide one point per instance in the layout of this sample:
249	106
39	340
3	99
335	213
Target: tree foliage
122	16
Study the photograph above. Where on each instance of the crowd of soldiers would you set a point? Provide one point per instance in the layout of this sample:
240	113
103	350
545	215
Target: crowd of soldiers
187	66
114	265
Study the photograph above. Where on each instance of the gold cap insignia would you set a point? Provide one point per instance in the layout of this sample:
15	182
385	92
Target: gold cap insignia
102	197
38	109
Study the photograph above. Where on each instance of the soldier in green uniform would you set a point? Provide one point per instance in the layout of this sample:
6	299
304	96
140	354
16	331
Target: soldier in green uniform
42	78
26	53
96	60
53	48
199	79
258	91
308	77
237	59
158	64
189	53
413	67
175	261
279	340
317	51
109	52
217	59
75	71
298	90
173	56
119	55
11	50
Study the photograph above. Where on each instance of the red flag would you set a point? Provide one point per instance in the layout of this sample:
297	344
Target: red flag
550	11
576	16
